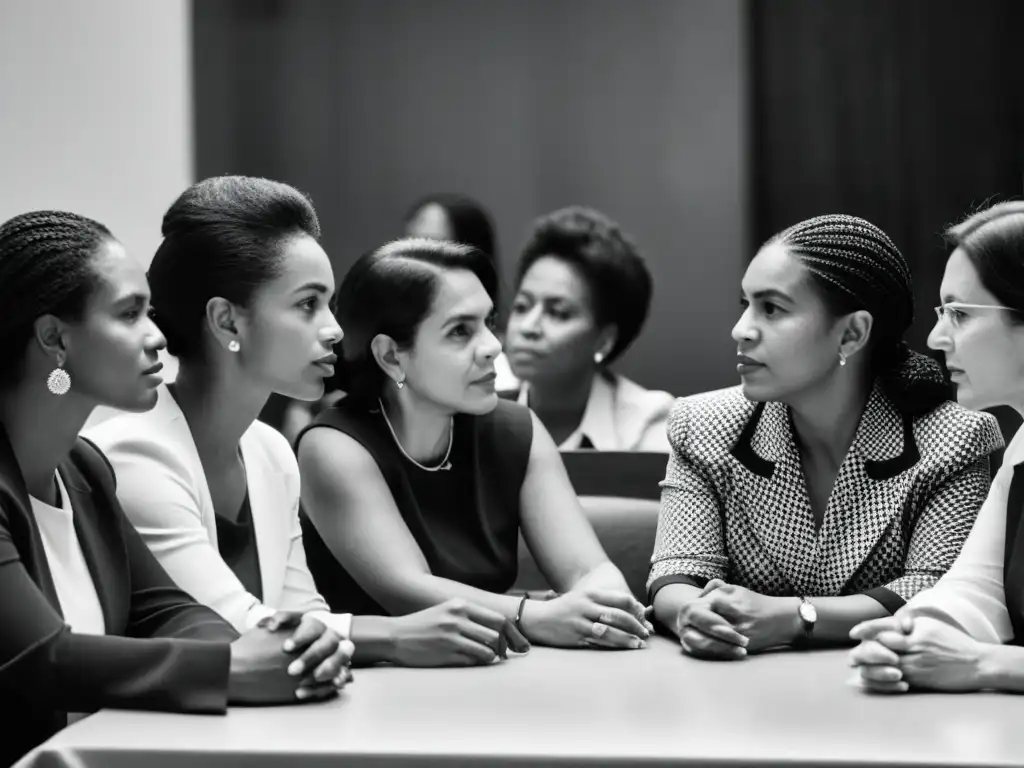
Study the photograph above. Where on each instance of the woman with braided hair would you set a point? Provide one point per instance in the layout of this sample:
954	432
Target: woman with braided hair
838	480
88	619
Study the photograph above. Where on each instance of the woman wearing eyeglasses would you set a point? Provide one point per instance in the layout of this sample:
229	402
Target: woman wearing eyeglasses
965	633
839	480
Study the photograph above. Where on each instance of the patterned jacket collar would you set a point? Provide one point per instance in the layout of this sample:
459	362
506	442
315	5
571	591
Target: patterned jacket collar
867	495
884	440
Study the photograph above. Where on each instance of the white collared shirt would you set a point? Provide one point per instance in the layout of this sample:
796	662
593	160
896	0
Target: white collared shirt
76	591
620	415
971	593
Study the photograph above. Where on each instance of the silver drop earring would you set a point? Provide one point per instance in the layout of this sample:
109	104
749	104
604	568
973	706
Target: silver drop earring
842	358
59	380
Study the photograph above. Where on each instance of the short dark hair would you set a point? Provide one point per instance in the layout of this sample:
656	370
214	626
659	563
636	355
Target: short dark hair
470	222
993	240
608	260
45	269
391	291
222	238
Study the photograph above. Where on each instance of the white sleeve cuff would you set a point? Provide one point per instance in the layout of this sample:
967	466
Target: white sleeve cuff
339	622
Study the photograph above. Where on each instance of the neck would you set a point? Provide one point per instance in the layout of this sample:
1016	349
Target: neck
422	428
42	429
219	407
825	421
562	397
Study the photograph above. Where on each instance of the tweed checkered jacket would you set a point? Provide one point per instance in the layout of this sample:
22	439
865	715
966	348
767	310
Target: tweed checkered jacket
734	502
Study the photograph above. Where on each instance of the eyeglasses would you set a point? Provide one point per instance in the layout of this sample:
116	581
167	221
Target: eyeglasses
954	311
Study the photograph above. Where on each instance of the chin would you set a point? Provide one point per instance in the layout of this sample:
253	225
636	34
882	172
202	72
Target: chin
478	406
307	391
758	394
145	401
970	400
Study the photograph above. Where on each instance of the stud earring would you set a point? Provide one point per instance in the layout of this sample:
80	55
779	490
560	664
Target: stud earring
598	358
401	382
234	346
59	381
842	358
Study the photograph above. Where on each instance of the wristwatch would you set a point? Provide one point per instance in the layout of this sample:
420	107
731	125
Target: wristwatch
808	615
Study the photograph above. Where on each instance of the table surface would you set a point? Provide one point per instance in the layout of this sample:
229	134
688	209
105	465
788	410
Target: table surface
575	708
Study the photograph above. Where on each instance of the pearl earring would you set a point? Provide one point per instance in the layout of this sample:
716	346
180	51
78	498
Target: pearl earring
234	346
598	358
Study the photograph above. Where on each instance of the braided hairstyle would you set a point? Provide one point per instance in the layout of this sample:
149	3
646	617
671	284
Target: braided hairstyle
620	283
857	266
45	269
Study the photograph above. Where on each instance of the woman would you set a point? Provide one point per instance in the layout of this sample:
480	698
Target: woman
242	291
838	481
418	483
582	297
966	633
89	619
442	216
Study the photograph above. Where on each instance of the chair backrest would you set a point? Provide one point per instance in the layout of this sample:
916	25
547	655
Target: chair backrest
625	527
626	474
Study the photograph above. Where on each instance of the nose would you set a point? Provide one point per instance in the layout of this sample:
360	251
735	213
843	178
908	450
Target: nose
155	339
744	329
332	332
490	346
939	338
529	323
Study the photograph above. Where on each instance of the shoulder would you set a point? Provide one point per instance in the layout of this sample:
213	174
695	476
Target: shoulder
653	403
93	462
273	446
339	443
952	434
135	439
711	421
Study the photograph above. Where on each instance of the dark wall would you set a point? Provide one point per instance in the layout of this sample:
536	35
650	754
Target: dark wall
638	109
907	113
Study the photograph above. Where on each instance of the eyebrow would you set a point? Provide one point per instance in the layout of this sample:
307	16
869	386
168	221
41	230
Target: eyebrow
464	318
131	298
318	287
772	293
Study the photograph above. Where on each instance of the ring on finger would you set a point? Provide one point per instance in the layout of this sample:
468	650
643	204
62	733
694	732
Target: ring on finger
597	629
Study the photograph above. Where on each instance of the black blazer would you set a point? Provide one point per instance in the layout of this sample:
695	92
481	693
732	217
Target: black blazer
162	651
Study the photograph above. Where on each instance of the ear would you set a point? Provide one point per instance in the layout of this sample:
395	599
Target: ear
49	332
605	342
388	356
856	332
223	319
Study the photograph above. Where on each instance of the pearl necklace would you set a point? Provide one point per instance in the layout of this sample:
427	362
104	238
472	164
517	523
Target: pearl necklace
444	465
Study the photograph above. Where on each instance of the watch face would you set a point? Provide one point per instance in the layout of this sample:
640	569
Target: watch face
808	613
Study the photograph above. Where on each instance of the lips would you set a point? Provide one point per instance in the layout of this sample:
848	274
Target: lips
486	379
153	370
744	360
327	360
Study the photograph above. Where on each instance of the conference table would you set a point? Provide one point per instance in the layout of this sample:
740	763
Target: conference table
574	708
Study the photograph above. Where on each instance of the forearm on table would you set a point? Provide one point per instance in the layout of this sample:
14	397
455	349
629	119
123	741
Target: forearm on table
426	590
605	575
670	600
836	616
1002	668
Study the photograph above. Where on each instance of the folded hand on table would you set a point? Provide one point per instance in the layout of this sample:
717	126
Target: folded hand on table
454	633
728	621
595	617
899	652
288	656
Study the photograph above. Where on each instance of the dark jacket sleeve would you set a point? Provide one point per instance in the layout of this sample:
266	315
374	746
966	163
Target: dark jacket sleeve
174	655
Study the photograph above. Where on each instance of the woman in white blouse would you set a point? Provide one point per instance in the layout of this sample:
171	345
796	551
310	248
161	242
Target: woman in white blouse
966	632
582	296
242	291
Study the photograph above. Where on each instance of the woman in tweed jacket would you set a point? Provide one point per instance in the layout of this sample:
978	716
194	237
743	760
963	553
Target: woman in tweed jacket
838	480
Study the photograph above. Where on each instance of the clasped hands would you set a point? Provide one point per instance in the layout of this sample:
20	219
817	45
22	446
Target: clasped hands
728	621
901	651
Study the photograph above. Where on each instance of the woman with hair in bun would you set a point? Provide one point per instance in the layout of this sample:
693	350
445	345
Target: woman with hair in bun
834	484
966	633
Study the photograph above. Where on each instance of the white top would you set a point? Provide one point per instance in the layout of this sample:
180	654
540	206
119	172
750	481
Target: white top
970	595
162	487
620	416
76	591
